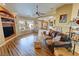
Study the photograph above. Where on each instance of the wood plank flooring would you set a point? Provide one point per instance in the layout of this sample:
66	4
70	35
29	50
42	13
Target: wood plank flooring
23	46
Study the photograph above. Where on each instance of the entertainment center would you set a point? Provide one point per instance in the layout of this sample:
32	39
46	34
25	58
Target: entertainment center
7	24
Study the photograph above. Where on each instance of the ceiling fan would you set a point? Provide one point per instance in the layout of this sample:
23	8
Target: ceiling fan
39	14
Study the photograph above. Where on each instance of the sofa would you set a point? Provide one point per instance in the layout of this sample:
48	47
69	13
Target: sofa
65	41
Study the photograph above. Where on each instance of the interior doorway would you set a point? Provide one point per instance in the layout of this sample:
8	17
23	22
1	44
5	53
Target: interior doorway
30	24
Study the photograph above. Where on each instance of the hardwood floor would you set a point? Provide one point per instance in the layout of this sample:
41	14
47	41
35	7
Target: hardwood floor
23	46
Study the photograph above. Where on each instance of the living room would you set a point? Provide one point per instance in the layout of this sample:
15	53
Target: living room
27	25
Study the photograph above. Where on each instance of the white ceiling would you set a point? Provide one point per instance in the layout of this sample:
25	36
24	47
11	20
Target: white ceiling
29	9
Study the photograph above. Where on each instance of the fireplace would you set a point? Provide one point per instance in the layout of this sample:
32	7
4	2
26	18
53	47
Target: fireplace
8	27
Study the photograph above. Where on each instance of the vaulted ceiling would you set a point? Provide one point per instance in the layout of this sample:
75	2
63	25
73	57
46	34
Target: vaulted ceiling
29	9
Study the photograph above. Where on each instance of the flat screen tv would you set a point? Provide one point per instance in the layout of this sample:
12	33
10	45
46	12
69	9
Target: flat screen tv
8	31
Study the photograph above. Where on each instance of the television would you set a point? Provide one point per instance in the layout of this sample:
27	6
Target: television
8	31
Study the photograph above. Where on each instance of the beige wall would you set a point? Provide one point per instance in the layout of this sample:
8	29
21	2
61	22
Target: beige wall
65	9
75	10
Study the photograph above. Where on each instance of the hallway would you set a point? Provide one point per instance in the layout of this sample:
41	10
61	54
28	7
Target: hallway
23	46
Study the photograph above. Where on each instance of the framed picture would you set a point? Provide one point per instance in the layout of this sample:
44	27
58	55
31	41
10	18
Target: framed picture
63	18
